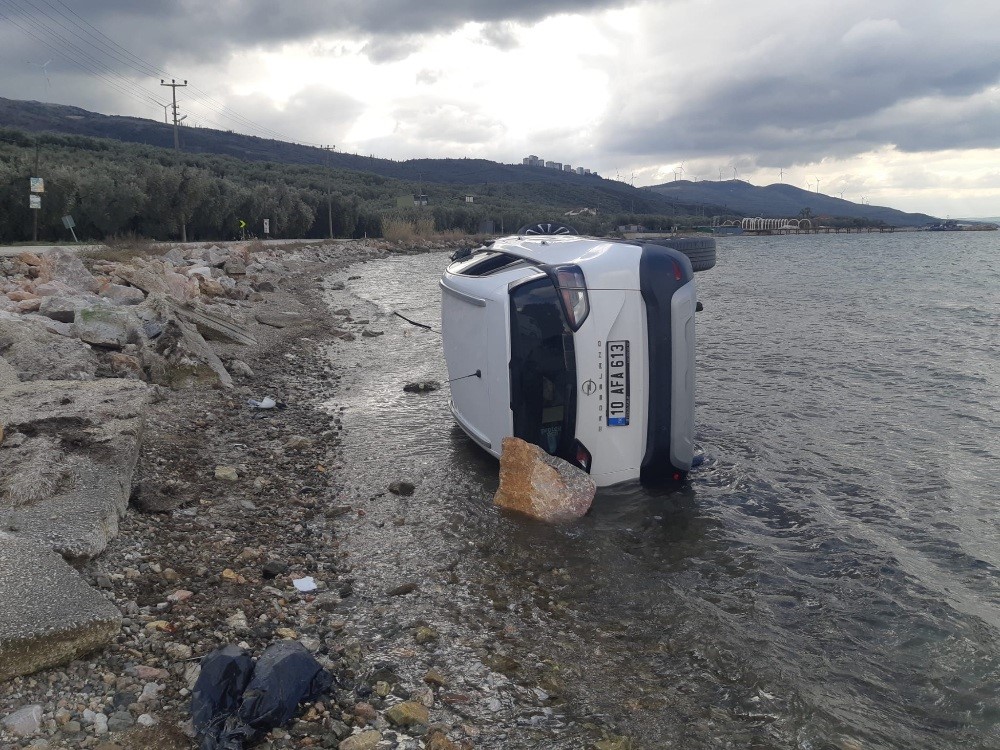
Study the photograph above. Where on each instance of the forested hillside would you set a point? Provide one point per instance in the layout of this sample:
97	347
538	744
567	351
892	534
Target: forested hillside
111	188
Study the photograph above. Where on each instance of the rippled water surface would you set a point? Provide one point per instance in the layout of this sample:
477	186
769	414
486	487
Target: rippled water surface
829	577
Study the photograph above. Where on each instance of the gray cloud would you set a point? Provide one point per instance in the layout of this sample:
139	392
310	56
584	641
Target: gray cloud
169	30
445	122
832	88
503	36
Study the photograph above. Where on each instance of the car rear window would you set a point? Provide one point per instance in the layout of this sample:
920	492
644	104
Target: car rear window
542	368
484	264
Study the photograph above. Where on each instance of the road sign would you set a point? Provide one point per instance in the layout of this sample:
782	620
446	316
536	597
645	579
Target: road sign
34	201
68	222
243	224
37	184
267	226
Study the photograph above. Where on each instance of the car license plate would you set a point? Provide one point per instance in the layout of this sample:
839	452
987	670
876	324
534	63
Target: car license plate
618	384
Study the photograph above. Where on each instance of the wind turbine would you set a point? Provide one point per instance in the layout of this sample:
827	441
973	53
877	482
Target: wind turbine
165	108
841	195
734	172
817	184
781	176
809	185
720	174
42	67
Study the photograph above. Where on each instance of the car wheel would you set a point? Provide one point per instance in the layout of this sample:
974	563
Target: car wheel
547	227
699	250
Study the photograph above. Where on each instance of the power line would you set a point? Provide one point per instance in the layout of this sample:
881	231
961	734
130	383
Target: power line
86	62
105	45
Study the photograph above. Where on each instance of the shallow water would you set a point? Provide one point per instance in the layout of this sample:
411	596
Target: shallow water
830	577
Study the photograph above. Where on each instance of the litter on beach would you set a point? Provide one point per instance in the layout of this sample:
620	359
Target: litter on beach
305	584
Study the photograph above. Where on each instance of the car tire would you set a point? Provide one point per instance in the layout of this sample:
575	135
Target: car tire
699	250
547	227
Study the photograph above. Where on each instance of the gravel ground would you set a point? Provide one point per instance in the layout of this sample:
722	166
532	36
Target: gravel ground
233	504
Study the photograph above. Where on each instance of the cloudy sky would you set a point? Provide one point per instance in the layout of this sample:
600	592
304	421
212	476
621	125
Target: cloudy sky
895	102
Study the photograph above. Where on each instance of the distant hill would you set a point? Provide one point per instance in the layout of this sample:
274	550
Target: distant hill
731	197
782	201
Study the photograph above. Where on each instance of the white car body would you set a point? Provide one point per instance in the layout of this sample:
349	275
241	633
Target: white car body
566	391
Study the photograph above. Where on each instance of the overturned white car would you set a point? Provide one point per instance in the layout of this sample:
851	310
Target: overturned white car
583	346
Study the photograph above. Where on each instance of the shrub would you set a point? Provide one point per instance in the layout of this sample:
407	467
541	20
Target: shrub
398	230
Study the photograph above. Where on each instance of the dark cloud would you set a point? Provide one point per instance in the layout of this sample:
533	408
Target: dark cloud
164	31
503	36
390	49
809	91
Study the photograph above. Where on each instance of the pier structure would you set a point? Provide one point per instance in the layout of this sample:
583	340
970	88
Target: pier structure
759	225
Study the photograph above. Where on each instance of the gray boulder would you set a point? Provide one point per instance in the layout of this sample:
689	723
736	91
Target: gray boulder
64	266
64	308
121	294
107	327
67	461
49	616
37	354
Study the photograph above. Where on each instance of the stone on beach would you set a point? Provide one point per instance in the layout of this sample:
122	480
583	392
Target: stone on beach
50	615
37	354
541	486
106	327
68	483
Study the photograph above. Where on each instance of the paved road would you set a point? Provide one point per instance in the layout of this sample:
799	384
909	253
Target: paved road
11	250
7	251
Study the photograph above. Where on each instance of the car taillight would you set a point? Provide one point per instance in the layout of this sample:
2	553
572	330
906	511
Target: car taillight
581	456
573	293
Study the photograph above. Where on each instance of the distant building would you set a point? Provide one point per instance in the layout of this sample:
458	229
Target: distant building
470	199
531	160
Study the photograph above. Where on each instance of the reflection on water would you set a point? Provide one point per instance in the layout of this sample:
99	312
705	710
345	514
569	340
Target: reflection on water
828	578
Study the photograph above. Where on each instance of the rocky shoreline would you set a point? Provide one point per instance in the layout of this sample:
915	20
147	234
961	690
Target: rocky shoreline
230	505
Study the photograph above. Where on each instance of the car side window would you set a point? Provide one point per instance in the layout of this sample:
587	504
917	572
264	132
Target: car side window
542	368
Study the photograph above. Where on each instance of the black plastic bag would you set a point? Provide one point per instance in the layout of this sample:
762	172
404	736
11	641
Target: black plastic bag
225	674
285	676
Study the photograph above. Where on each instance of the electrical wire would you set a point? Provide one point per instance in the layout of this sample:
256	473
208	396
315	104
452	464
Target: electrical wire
103	45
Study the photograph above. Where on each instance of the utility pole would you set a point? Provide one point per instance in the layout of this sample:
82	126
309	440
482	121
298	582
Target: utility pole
173	89
34	214
329	189
177	142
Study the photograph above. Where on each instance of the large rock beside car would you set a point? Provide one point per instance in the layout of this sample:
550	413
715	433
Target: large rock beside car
541	486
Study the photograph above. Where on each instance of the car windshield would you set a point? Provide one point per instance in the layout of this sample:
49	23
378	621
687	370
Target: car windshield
542	368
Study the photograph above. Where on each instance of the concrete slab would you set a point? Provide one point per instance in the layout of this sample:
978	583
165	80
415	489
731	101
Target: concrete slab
49	615
65	480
